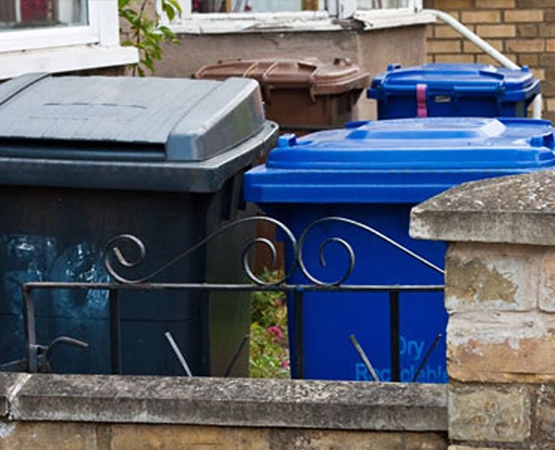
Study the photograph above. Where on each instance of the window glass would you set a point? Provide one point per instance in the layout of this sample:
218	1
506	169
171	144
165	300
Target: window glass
25	14
257	5
384	4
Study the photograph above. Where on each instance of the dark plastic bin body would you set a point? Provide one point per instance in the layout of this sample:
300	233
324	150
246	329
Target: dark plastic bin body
375	173
85	159
453	90
300	95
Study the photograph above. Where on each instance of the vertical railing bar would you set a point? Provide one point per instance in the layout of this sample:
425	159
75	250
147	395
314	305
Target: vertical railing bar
178	353
298	333
30	327
236	355
115	331
298	320
364	357
426	357
395	335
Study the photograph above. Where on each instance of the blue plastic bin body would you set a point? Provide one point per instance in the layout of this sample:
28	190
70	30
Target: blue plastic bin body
453	90
374	173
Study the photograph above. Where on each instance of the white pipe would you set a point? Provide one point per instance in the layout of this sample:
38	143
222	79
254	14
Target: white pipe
473	37
537	106
487	48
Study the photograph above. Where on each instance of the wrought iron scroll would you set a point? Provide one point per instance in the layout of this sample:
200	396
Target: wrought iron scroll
349	249
113	251
128	252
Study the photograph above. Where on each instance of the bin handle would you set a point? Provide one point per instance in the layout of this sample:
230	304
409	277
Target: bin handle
421	106
264	78
336	62
342	62
484	90
543	140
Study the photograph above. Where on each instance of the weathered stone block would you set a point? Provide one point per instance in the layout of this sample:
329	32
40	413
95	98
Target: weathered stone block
233	402
144	437
547	282
5	384
492	277
516	209
501	347
10	385
48	436
545	414
489	413
462	447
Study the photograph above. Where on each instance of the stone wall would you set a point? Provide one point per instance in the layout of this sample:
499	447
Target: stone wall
124	412
500	291
523	30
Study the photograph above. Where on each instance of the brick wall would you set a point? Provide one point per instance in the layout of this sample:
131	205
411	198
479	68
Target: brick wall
499	291
523	30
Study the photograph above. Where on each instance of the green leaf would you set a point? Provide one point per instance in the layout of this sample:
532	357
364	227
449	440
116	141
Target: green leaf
171	8
145	35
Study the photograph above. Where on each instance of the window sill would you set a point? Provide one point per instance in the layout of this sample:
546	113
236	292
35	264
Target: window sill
65	59
375	20
297	22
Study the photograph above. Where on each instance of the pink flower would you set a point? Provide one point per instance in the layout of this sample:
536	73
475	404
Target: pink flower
276	331
285	364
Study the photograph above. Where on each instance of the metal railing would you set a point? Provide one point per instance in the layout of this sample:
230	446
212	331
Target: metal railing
116	258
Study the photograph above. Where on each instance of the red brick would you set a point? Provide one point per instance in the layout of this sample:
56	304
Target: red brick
486	59
546	29
534	4
446	32
547	60
528	59
495	4
469	47
456	58
525	45
527	30
453	4
490	16
523	15
486	31
444	46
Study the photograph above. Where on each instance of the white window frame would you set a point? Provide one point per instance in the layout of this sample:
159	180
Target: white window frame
334	8
201	23
65	49
102	28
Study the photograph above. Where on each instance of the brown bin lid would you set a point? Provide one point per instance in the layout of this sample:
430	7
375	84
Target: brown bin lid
320	79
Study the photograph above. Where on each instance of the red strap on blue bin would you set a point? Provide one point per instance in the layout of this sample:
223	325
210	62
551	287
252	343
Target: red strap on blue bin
421	106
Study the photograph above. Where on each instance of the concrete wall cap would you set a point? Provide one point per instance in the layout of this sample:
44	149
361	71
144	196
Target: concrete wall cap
232	402
518	209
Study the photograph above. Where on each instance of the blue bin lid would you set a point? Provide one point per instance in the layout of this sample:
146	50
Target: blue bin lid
398	161
457	79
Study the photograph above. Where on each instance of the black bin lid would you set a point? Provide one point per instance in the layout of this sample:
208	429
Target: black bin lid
94	125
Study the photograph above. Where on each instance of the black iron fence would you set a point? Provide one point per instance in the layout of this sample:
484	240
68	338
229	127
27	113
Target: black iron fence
116	257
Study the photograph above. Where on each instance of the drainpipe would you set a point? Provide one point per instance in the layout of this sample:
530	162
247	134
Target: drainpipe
487	48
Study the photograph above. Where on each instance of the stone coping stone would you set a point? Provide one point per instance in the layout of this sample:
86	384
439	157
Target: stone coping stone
227	402
6	381
517	209
10	384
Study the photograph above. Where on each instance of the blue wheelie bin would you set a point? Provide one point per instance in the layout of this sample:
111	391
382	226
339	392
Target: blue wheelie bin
374	173
453	90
